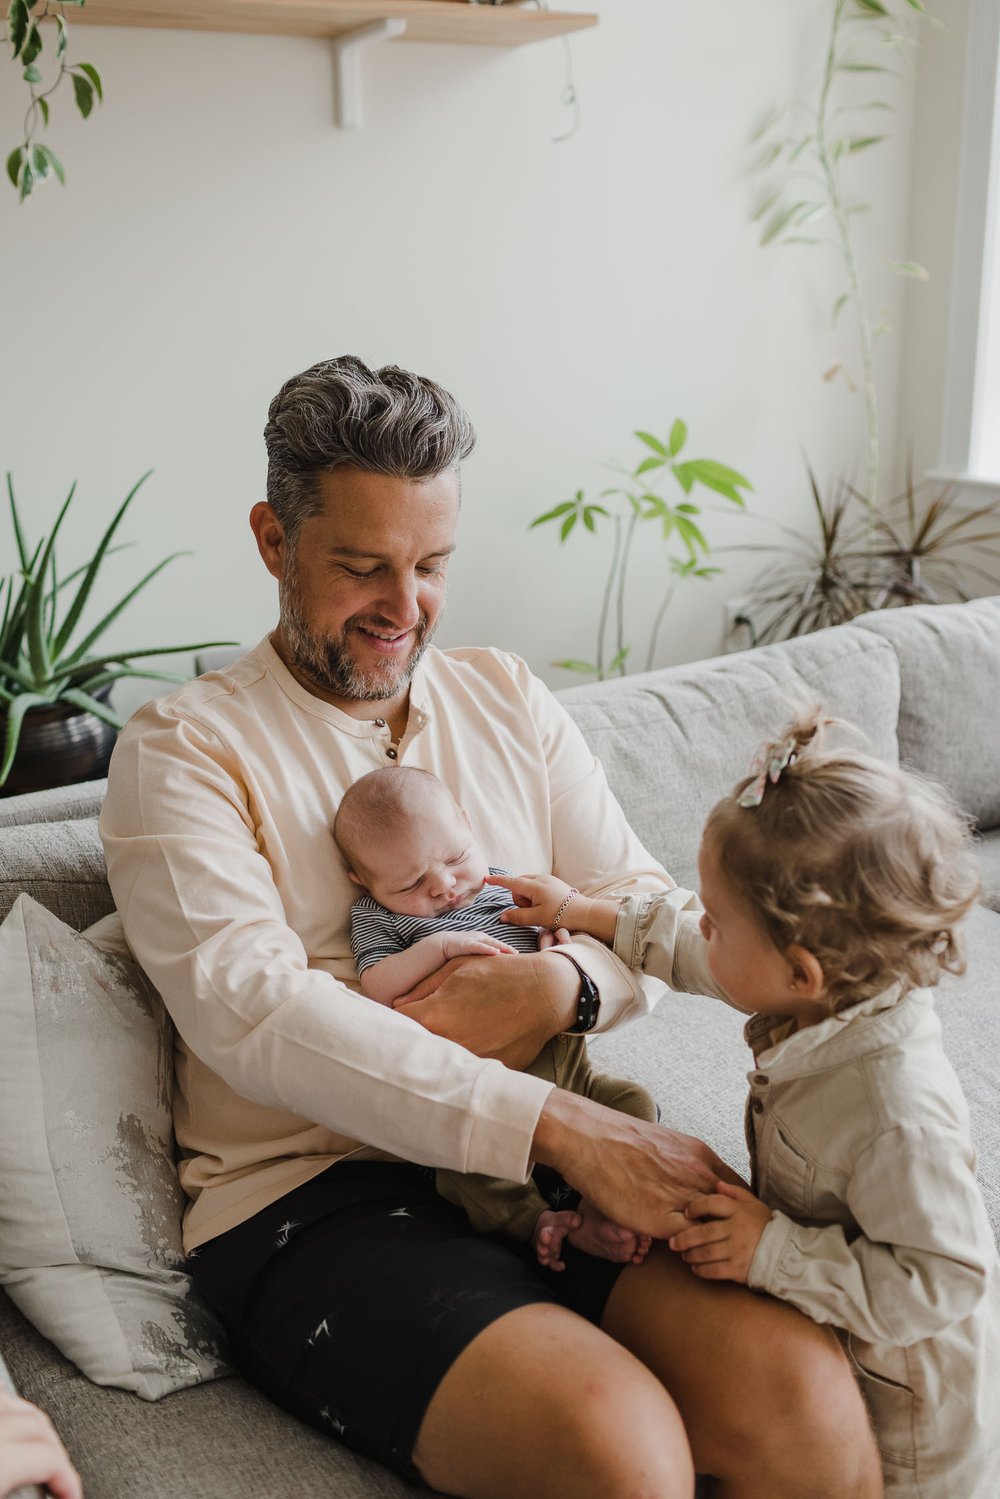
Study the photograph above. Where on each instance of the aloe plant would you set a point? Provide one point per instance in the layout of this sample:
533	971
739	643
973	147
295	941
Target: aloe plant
40	663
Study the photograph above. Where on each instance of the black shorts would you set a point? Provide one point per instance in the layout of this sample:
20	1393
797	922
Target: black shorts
348	1300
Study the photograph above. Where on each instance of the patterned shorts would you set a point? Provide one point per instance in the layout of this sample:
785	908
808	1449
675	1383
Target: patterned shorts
348	1300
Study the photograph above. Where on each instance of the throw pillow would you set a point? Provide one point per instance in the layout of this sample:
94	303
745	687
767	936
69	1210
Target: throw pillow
90	1205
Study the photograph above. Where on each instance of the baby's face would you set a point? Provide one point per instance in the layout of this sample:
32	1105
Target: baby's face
431	865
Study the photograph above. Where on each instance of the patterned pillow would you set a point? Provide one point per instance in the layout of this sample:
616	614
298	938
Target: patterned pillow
90	1205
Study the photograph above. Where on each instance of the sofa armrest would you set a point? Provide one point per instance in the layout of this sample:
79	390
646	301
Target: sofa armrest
60	804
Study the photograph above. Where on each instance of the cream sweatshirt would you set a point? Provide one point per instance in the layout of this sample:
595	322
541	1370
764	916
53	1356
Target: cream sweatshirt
235	900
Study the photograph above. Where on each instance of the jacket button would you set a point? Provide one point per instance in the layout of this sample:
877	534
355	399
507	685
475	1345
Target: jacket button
761	1078
391	753
380	723
757	1106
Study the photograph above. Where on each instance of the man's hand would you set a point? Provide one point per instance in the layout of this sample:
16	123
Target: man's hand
30	1451
722	1246
636	1173
504	1007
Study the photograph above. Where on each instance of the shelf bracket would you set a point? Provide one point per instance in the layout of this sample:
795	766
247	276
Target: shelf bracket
346	70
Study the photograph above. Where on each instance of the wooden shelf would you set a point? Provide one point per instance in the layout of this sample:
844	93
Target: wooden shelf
426	20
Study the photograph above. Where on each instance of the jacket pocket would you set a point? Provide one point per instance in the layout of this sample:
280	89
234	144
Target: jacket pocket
892	1407
786	1176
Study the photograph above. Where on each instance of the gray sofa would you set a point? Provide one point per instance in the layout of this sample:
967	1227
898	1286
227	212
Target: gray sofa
921	683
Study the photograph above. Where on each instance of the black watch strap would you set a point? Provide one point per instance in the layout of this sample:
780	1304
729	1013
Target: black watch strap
588	1006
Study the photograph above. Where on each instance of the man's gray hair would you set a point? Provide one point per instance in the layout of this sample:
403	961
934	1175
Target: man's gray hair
340	412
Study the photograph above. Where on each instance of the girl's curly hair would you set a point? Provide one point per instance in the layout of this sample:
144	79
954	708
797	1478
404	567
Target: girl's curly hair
867	866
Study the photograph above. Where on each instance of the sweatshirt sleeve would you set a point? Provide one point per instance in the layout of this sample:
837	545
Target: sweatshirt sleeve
202	913
920	1259
595	849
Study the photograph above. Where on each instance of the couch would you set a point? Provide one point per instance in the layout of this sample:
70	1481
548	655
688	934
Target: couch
921	683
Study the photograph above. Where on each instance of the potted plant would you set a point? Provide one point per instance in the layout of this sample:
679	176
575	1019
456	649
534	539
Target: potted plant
56	722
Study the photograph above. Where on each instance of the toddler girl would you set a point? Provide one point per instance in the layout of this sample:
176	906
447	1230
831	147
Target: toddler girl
833	887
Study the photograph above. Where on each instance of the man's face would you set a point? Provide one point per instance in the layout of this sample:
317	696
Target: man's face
364	581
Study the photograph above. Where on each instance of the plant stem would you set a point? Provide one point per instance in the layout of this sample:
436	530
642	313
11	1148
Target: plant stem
667	601
855	286
620	601
602	623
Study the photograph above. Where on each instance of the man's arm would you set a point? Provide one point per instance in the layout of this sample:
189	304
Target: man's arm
203	915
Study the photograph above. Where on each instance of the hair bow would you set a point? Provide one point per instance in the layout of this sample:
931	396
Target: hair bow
769	761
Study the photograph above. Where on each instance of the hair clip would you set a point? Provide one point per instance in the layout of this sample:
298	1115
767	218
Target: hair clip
769	761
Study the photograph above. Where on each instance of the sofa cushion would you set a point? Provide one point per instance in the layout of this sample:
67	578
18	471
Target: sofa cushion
60	804
90	1205
60	864
949	666
673	742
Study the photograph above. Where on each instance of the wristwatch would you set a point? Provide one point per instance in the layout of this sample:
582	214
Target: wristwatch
588	1005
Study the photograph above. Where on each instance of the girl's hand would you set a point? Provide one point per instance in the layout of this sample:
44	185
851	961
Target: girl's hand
30	1451
472	945
537	899
722	1246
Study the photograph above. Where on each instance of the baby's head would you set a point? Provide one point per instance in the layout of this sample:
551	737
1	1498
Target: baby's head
833	881
408	842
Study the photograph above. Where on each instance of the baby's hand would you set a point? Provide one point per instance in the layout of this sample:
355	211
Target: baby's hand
472	944
537	899
722	1246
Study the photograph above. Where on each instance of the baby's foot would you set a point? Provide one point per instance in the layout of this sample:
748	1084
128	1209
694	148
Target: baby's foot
606	1239
550	1234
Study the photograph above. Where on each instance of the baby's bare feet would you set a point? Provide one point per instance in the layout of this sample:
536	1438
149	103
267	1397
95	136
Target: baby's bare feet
550	1234
606	1239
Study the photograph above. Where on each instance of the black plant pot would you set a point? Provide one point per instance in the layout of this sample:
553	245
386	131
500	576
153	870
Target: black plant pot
59	746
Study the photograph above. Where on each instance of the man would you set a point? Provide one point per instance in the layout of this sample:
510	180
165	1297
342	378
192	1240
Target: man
353	1295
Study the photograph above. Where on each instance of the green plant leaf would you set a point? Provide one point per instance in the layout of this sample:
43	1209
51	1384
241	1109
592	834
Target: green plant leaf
32	46
648	464
654	443
62	37
861	67
691	535
596	510
863	142
76	608
585	667
909	268
95	78
678	437
620	658
15	717
84	91
588	520
568	525
43	105
31	75
113	614
81	669
716	476
39	163
53	162
872	7
559	510
14	165
81	699
839	306
17	26
25	180
779	221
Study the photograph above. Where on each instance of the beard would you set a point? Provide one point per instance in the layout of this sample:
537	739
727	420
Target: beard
327	662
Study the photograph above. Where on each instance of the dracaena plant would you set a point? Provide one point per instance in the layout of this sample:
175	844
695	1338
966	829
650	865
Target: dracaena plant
45	655
638	501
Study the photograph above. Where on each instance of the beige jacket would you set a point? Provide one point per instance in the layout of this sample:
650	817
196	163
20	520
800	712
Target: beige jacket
859	1138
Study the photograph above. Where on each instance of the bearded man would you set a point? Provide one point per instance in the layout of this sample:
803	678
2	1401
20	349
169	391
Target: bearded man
307	1116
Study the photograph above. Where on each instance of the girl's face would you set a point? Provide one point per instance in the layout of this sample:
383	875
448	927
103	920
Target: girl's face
743	960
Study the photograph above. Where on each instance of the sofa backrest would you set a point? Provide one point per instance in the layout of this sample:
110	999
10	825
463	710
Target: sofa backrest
674	741
949	715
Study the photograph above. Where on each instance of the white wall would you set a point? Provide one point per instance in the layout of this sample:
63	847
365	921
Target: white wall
217	233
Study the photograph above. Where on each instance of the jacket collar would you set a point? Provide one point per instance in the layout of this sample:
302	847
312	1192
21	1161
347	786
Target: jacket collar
844	1037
